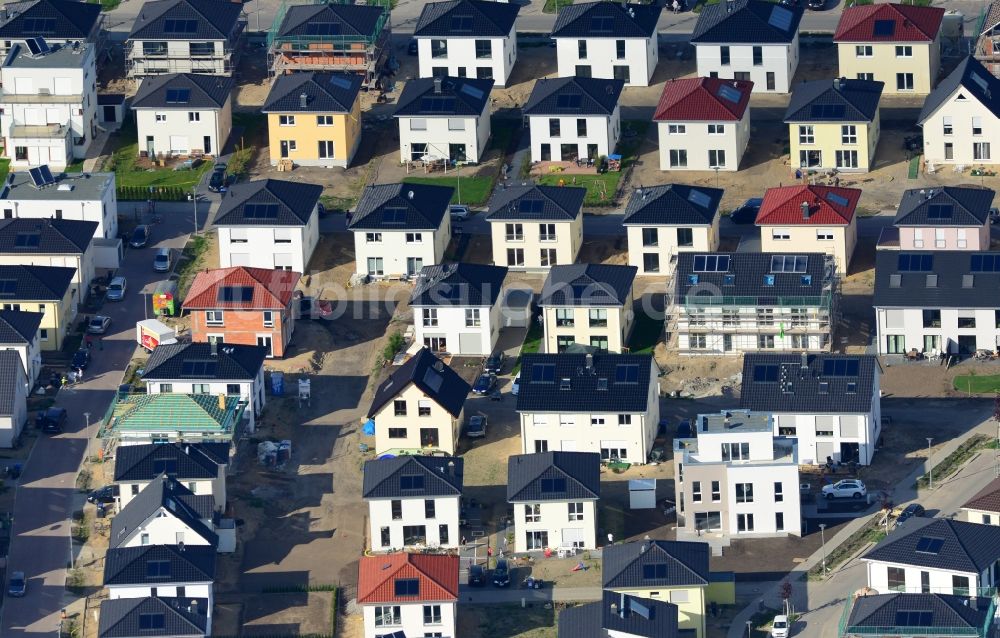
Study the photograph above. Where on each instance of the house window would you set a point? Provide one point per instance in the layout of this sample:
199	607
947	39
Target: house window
160	117
716	158
765	342
779	492
423	407
563	342
546	232
286	120
564	317
373	238
806	134
824	234
966	320
432	614
268	316
866	76
581	49
597	421
418	124
744	522
724	55
414	238
904	81
780	234
547	257
847	159
779	521
375	266
769	80
624	419
430	317
863	50
896	579
620	49
581	127
397	510
439	48
443	534
575	511
515	256
696	491
554	127
904	51
716	492
650	262
959	585
932	318
414	535
598	317
532	513
744	492
513	232
609	453
758	56
650	237
213	317
397	433
678	158
324	120
716	129
977	125
194	116
456	124
325	148
981	151
429	509
697	342
484	49
848	134
387	616
166	388
946	125
472	318
399	407
676	129
735	451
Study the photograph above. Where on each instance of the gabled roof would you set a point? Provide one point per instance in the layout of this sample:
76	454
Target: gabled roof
355	20
889	23
827	384
269	202
183	91
272	288
553	476
686	564
25	236
167	494
19	327
444	97
34	283
182	461
466	19
127	617
438	476
704	100
828	205
940	543
325	93
935	614
213	20
622	614
614	383
192	361
841	100
533	202
936	279
986	499
607	20
401	207
460	284
973	79
73	20
436	576
766	276
171	564
201	413
435	379
951	205
747	22
11	382
574	96
673	205
587	285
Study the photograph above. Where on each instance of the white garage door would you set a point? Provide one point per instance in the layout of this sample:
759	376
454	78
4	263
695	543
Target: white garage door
470	343
178	144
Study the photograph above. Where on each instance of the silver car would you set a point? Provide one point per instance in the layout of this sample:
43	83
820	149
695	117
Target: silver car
116	289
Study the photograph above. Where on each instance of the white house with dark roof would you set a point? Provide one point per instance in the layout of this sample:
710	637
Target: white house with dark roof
210	368
830	404
200	467
555	496
51	242
943	218
573	118
400	228
961	117
937	556
588	304
13	398
419	408
984	506
933	302
918	614
167	513
154	616
166	571
270	223
605	403
620	616
467	38
413	502
183	114
185	36
80	196
751	40
57	21
19	332
457	309
535	227
444	118
661	221
608	40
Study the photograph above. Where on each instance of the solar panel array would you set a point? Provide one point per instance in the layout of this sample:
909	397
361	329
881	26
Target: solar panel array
394	215
531	206
474	92
341	82
939	211
437	104
407	587
985	263
914	619
836	199
841	367
27	240
260	211
198	369
601	24
178	96
730	93
698	198
765	374
180	26
711	263
8	288
627	373
461	24
543	373
41	175
324	28
884	28
235	294
789	263
411	482
827	111
569	101
39	25
980	81
781	18
915	263
37	46
929	545
550	485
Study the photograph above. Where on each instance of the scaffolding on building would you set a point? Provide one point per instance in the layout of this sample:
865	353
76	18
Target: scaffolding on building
361	54
141	63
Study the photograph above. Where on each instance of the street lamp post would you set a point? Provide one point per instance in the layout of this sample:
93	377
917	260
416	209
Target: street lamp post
90	439
930	468
822	536
194	201
716	176
749	629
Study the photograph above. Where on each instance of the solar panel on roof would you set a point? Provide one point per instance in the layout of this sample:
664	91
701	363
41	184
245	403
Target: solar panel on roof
152	621
260	211
474	92
827	111
235	294
341	82
986	262
180	26
627	373
550	485
980	81
36	176
27	240
765	374
939	211
433	379
528	206
394	215
461	23
836	199
711	263
37	46
915	263
914	619
601	24
781	18
884	28
407	586
324	28
730	93
929	545
543	373
569	101
46	172
178	96
32	26
698	198
198	368
789	263
437	104
841	367
8	288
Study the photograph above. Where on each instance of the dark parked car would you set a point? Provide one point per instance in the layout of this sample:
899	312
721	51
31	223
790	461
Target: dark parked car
484	384
501	573
52	421
411	48
477	576
913	510
104	494
476	426
18	585
747	212
494	364
218	182
817	5
140	237
80	360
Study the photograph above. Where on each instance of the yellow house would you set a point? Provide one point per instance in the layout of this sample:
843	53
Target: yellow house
314	119
834	124
46	289
813	219
418	409
536	227
670	571
588	304
897	44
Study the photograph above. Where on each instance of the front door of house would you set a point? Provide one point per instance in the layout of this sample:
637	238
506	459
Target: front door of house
429	437
109	114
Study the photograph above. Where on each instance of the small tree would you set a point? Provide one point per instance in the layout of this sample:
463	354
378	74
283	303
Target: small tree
786	597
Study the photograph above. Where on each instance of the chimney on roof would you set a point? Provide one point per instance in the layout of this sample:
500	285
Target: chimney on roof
437	86
303	100
805	210
213	347
222	401
590	362
409	194
804	365
193	607
837	83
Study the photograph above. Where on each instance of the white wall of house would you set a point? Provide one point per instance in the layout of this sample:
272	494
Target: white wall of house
461	54
764	508
983	517
779	60
703	239
163	530
962	145
163	590
31	357
411	423
524	250
815	444
692	143
411	620
553	519
455	325
181	132
178	58
216	487
944	238
574	322
908	323
84	265
251	392
602	132
601	432
12	424
601	57
439	133
103	210
941	581
446	510
400	252
285	247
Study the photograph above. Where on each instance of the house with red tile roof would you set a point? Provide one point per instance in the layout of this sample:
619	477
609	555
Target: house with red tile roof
250	306
408	594
898	44
704	124
815	219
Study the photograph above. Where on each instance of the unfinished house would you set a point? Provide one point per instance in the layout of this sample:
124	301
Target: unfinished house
331	36
988	43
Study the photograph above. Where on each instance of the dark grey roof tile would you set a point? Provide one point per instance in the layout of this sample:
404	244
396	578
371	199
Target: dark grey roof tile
670	564
203	91
461	284
574	96
553	476
828	383
747	22
954	279
536	203
952	206
444	97
183	361
673	204
325	93
401	207
213	20
152	564
940	543
974	79
467	19
413	477
34	283
607	20
588	285
436	379
182	461
617	383
272	202
839	100
19	327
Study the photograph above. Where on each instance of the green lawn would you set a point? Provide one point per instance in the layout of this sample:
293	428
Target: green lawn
4	168
553	6
645	334
532	342
977	384
123	163
75	167
106	5
474	190
914	170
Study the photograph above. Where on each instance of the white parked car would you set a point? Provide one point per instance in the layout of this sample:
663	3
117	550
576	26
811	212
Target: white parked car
516	386
847	488
779	628
458	212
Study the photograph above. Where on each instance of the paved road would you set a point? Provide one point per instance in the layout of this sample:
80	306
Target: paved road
46	495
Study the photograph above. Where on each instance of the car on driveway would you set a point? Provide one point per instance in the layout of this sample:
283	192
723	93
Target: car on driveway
17	586
477	576
501	573
218	181
52	421
847	488
913	510
747	212
475	427
104	494
98	324
81	359
116	289
494	363
484	384
458	212
515	387
140	237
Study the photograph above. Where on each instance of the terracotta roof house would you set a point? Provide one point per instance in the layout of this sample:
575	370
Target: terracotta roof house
408	594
